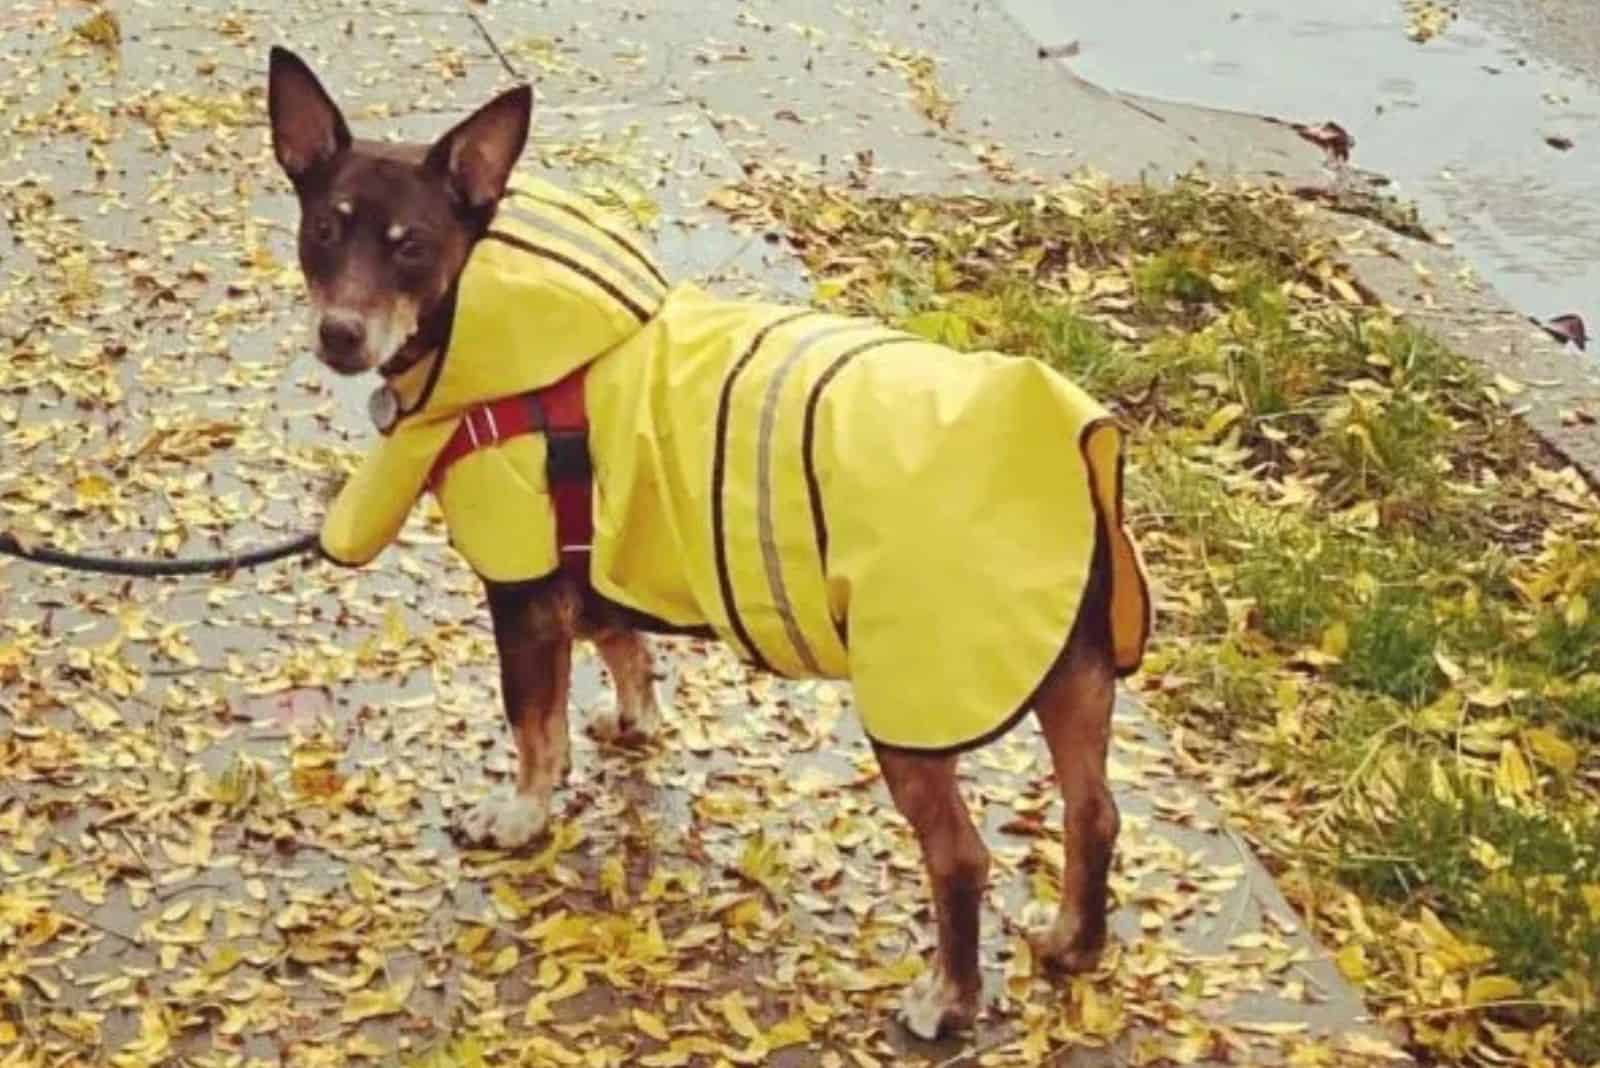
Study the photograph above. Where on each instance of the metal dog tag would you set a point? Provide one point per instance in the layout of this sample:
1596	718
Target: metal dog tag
384	407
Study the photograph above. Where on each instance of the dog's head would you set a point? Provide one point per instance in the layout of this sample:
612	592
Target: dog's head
385	229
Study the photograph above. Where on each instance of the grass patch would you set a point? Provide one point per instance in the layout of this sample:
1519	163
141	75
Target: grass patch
1514	878
1567	639
1391	644
1292	578
1578	710
1381	587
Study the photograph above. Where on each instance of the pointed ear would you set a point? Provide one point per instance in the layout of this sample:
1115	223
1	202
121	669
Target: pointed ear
307	130
478	155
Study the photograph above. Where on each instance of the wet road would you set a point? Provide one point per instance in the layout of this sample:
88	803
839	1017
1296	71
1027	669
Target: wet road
1460	123
1566	32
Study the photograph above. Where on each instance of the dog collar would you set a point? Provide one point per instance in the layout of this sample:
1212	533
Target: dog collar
432	334
412	352
401	394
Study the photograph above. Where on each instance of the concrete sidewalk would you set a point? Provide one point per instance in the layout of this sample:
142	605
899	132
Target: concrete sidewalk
193	868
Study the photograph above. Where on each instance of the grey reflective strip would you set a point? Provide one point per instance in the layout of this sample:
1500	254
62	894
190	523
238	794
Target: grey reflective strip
764	522
642	284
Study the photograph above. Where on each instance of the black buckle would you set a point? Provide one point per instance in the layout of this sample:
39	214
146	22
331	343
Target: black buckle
567	456
566	452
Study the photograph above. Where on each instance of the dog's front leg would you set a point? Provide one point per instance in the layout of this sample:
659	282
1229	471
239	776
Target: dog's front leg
533	629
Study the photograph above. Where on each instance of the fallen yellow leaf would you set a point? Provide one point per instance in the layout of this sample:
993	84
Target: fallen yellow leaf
1487	988
1352	963
504	960
222	961
367	1004
1221	420
1551	748
1513	776
652	1025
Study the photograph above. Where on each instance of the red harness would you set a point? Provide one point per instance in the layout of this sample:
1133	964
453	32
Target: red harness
557	412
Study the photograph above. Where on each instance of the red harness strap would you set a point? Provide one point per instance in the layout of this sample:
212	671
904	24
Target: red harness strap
557	412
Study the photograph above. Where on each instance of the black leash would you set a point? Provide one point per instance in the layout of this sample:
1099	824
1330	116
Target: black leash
199	565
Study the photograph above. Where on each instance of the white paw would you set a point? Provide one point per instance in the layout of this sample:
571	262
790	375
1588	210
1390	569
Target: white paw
616	722
932	1006
508	821
922	1006
645	716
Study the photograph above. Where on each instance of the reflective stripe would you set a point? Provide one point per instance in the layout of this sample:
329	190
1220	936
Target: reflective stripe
719	467
624	271
764	509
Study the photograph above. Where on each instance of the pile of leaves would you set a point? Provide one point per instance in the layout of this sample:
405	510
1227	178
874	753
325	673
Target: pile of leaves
1379	592
1427	19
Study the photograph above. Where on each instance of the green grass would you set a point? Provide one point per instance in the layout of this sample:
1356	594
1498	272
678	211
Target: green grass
1578	710
1392	640
1292	574
1376	586
1567	644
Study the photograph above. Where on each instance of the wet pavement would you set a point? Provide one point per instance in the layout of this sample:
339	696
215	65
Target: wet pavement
1460	124
225	806
1566	32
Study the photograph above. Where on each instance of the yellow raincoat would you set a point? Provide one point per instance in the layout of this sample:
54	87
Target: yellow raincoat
832	497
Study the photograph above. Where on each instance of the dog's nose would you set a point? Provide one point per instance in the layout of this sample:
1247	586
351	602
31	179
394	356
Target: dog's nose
342	336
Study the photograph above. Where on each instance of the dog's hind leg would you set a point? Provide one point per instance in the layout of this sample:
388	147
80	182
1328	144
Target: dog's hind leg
636	714
533	631
1074	710
946	997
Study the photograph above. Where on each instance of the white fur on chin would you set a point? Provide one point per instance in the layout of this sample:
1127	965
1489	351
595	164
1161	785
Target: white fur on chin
386	334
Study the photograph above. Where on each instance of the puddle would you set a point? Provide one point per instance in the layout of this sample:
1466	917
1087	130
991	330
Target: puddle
1459	123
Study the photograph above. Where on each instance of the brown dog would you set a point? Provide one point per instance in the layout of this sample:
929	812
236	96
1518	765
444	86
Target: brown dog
386	233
